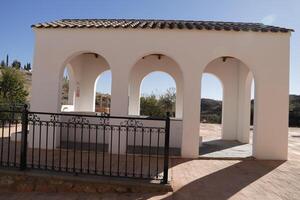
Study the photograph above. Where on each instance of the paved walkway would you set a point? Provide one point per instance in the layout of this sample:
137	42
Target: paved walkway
215	179
214	147
238	179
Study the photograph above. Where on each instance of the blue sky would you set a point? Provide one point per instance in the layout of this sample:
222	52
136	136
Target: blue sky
17	38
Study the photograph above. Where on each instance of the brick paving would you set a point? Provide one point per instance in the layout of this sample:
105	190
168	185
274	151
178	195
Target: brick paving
214	179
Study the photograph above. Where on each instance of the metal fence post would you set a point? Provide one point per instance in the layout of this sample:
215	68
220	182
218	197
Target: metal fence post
166	150
23	161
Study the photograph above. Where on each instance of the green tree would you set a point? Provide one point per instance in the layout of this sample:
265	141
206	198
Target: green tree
167	101
65	91
157	106
149	106
12	87
16	64
2	64
27	67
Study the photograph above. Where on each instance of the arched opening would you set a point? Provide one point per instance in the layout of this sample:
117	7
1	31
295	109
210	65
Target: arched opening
78	82
67	90
251	109
237	105
155	64
103	92
158	95
211	107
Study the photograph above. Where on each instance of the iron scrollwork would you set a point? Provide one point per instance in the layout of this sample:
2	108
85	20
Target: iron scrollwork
103	118
79	120
132	123
33	118
54	118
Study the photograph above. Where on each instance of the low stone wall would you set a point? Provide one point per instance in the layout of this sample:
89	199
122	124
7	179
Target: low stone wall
16	181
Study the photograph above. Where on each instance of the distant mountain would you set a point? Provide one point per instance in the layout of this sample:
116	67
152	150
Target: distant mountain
294	111
211	111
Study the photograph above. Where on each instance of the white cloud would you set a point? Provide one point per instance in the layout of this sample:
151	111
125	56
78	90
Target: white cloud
269	19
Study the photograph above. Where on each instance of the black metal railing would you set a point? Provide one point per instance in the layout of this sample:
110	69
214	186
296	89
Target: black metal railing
114	146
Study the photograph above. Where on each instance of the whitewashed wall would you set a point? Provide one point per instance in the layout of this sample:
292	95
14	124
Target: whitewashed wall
265	54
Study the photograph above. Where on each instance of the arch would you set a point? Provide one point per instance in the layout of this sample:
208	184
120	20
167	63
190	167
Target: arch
71	57
236	78
103	99
85	67
68	89
216	77
243	61
146	65
212	117
139	57
170	106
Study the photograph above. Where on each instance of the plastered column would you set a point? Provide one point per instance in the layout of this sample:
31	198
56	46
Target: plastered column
230	108
72	86
119	101
134	97
179	101
86	69
227	72
86	100
191	116
271	114
46	84
244	105
119	94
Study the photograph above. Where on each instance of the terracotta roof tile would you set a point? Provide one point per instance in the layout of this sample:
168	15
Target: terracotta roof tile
161	24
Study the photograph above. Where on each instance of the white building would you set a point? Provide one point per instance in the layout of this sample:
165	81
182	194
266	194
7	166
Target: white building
234	52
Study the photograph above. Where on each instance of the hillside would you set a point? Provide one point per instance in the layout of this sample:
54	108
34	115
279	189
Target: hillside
294	111
211	111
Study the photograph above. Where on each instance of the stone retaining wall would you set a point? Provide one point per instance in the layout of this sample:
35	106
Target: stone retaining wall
14	181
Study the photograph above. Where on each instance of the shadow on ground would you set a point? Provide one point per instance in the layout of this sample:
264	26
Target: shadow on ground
217	145
225	183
